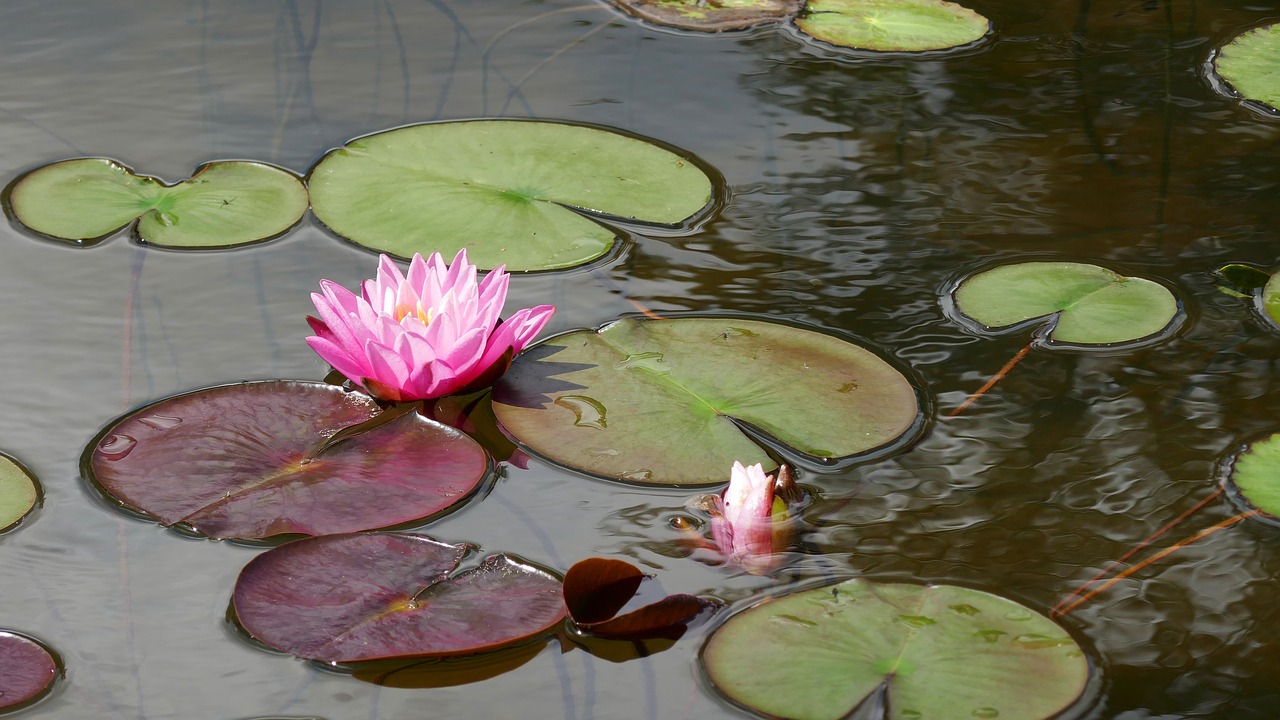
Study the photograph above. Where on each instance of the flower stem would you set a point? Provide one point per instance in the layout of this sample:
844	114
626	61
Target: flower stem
994	379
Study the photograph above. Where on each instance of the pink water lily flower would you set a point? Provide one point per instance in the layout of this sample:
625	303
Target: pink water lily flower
747	530
432	333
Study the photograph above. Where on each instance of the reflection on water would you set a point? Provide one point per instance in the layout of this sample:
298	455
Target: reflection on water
861	189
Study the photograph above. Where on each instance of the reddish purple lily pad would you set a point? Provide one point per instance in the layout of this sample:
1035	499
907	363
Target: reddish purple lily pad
27	670
595	590
373	596
241	461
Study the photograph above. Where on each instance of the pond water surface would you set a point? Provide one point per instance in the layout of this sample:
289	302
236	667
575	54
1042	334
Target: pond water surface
861	188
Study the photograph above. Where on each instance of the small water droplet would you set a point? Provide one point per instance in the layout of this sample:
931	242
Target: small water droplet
990	635
116	447
641	475
588	412
965	609
793	620
986	712
917	620
161	422
608	452
651	361
911	714
1033	641
167	219
1018	615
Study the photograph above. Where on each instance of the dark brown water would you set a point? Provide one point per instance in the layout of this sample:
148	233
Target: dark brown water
861	188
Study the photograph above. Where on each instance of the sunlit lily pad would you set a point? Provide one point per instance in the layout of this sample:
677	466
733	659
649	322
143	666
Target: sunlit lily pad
1085	304
917	651
675	402
239	461
1271	298
225	203
19	492
27	670
1251	63
892	25
1254	478
711	17
515	192
372	596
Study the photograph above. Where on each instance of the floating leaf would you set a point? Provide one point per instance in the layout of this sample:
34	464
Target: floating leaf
595	590
1251	63
892	25
252	460
1255	476
711	17
503	189
666	402
1271	298
29	670
939	652
225	203
1243	276
19	492
1086	304
373	596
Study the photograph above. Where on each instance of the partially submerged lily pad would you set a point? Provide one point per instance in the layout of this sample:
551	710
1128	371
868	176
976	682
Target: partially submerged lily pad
29	670
919	651
892	25
1254	477
1271	298
85	200
711	17
527	194
373	596
595	589
19	492
1085	304
675	402
1251	64
250	461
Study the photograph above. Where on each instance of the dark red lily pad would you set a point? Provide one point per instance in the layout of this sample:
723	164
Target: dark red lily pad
711	17
244	461
373	596
595	590
27	670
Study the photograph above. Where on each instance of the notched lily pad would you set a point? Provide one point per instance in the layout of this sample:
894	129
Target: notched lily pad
254	460
373	596
1251	64
1254	477
524	193
29	670
916	651
892	25
710	16
675	402
85	200
20	492
1083	304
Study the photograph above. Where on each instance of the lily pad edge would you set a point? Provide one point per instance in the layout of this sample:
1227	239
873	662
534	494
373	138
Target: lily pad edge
35	483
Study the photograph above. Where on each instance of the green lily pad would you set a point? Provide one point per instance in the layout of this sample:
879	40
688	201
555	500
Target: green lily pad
1271	298
19	492
710	17
675	402
892	25
513	192
1254	479
918	651
1086	304
223	204
1251	63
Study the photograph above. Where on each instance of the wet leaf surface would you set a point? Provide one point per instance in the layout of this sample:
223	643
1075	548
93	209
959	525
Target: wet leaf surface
236	461
1254	479
84	200
1271	299
892	25
19	492
595	590
666	401
1086	304
27	670
372	596
710	17
1251	64
914	651
522	193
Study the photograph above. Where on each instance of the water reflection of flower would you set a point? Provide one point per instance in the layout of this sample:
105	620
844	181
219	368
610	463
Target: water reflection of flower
432	333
